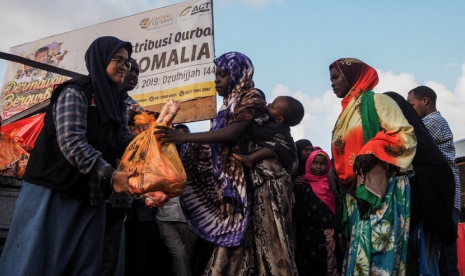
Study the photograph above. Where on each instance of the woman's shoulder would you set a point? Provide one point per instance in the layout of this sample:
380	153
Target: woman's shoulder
72	90
74	86
385	105
253	97
382	99
69	95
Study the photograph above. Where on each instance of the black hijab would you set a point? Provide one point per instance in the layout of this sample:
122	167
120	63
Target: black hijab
300	145
433	185
109	100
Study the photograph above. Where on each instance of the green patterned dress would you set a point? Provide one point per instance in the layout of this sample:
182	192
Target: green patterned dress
378	244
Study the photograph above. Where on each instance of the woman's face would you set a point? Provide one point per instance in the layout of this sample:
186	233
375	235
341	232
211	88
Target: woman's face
338	83
306	153
221	82
319	165
116	70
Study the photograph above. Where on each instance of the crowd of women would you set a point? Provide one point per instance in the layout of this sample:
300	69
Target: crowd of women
269	205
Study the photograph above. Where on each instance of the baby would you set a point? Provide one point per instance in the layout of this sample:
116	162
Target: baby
284	112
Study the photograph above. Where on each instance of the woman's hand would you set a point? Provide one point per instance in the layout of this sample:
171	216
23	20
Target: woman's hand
364	163
168	135
121	183
333	181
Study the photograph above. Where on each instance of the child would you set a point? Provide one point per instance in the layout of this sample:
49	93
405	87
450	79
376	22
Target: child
314	219
284	112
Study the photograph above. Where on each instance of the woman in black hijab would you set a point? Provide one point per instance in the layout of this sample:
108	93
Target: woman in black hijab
304	148
59	220
432	197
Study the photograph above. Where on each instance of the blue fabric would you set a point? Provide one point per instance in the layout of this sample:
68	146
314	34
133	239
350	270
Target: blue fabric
51	235
427	251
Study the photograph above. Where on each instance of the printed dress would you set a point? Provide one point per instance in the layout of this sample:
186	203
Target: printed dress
376	204
268	248
378	245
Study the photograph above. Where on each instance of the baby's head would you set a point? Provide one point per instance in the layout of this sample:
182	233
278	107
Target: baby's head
286	110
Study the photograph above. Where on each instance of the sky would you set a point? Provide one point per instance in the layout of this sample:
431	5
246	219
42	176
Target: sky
291	44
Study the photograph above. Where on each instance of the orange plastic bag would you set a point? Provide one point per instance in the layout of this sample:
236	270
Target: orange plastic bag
13	158
157	167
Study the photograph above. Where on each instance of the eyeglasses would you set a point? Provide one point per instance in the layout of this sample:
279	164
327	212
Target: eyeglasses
120	63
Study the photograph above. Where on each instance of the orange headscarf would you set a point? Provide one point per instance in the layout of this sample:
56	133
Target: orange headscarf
360	76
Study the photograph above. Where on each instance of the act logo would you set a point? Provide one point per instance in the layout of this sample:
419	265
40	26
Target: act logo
195	9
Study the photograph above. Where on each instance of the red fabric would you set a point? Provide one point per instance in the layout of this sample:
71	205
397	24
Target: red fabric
461	248
319	183
26	130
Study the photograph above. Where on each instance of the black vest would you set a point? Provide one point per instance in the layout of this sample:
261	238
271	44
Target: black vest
47	166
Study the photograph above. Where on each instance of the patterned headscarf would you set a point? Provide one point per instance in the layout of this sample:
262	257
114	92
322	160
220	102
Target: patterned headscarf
319	183
359	75
240	70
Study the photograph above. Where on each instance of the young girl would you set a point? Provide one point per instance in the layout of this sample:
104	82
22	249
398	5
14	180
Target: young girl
314	216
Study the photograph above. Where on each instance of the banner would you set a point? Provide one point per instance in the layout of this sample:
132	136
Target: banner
173	46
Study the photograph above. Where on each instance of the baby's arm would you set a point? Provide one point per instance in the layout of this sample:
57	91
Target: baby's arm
259	155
